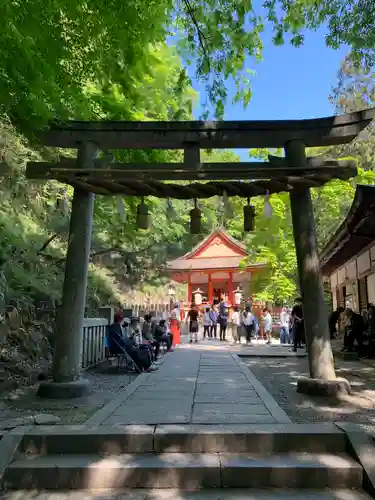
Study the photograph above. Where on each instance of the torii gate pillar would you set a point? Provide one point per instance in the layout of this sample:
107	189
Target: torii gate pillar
69	325
322	371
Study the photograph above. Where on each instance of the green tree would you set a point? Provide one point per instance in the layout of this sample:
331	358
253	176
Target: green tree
349	23
50	52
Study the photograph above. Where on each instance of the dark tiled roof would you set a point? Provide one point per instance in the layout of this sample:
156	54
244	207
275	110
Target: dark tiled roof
355	232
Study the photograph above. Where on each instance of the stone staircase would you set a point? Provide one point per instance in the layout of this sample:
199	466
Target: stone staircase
239	461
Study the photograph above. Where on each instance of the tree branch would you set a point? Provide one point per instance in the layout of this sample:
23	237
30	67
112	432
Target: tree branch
201	36
45	245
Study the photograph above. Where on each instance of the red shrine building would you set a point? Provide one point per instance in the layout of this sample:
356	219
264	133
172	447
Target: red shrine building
212	269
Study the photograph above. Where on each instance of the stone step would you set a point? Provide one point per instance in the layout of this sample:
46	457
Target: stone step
184	471
277	438
211	494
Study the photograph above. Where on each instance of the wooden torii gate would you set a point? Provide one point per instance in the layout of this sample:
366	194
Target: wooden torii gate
295	173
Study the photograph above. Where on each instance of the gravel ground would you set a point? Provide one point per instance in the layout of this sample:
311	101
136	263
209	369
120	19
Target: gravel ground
279	376
106	383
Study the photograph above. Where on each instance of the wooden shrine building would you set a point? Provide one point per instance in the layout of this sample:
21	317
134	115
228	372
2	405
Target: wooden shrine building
94	171
213	268
348	258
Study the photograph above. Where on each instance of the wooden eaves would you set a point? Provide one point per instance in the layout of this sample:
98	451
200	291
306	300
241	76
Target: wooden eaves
202	180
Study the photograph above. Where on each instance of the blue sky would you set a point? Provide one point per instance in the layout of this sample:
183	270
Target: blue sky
290	83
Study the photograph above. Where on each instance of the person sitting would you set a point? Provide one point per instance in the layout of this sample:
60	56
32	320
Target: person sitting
134	330
118	344
146	329
162	336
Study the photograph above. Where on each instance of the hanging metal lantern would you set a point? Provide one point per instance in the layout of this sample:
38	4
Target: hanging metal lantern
268	210
169	210
197	297
195	219
121	208
62	203
143	217
228	207
248	217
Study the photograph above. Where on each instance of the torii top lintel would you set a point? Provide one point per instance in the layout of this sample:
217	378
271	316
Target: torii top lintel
220	134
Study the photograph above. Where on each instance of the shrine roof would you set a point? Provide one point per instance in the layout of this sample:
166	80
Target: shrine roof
211	263
354	233
219	250
222	235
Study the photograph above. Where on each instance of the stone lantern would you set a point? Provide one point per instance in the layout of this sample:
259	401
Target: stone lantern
197	296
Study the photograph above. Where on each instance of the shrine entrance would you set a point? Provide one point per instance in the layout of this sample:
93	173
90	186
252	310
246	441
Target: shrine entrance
212	269
92	174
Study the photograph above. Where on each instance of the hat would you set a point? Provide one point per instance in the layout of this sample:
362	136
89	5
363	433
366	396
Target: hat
134	318
118	316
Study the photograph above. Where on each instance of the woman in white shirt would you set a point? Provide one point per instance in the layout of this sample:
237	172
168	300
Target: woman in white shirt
267	325
236	325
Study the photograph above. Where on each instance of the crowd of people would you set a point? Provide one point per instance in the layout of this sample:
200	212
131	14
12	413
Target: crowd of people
245	324
141	342
358	330
216	317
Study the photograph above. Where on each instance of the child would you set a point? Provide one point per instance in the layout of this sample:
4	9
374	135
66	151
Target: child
267	325
207	323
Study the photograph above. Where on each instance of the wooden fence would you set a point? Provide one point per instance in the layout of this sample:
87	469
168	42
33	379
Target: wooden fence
93	350
158	310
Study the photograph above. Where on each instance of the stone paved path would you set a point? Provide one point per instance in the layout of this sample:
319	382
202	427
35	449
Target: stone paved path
197	384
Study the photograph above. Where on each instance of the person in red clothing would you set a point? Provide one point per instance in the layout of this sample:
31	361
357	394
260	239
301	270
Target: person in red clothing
174	325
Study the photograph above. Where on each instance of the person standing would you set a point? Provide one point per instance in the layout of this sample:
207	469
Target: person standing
236	325
256	329
223	319
214	318
284	326
206	323
298	324
267	325
354	332
192	320
248	321
175	320
333	320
